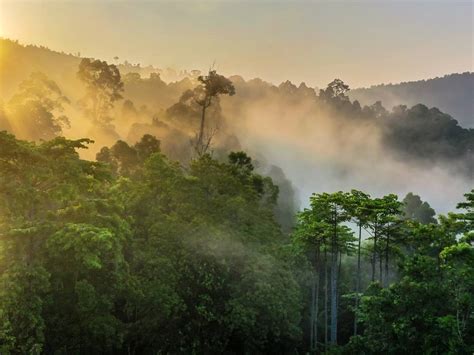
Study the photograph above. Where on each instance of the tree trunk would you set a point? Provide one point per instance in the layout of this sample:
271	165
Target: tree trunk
95	111
334	253
312	310
334	299
374	253
357	280
386	258
315	326
338	291
325	299
199	143
380	267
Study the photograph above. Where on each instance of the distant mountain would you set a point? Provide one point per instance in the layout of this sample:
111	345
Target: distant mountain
18	61
453	94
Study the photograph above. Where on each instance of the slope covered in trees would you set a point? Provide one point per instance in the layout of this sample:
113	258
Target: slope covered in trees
451	93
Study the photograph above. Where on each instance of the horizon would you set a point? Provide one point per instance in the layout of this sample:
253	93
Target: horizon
178	70
293	44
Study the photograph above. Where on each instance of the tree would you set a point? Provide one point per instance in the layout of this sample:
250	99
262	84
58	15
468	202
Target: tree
390	222
126	160
465	221
312	236
103	87
35	110
59	231
458	265
324	222
359	212
414	208
428	309
336	90
406	131
206	275
211	87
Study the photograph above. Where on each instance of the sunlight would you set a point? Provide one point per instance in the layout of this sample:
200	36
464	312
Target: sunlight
236	177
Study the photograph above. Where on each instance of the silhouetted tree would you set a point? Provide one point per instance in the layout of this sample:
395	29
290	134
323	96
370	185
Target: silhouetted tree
103	88
211	86
336	89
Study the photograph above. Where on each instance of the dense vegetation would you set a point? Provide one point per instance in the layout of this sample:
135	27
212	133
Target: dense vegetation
174	240
143	256
139	254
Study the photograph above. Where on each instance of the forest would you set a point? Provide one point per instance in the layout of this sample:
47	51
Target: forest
450	93
139	216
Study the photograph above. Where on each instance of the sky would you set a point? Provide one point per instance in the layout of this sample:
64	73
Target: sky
363	43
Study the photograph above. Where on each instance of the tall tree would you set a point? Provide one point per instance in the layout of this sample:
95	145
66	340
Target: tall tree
359	214
390	223
375	212
313	236
429	309
103	87
336	89
211	87
330	210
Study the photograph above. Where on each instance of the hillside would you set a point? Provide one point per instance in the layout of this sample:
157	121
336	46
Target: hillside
293	127
453	93
17	61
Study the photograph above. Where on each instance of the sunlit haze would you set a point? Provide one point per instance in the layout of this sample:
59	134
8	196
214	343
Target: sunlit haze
362	42
236	177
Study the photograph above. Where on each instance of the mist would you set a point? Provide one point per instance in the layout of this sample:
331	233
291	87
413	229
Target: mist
318	146
152	210
325	152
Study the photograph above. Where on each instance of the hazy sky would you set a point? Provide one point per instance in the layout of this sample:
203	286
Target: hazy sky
362	43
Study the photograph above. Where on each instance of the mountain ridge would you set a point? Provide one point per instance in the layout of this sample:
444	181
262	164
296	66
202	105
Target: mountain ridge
451	93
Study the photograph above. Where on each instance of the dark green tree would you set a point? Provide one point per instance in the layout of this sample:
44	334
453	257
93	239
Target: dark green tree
414	208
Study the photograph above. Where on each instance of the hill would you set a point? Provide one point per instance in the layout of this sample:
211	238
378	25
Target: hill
453	93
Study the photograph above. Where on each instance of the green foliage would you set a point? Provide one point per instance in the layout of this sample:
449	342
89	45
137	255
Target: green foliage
138	254
429	310
59	230
418	210
23	294
464	222
210	236
147	256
